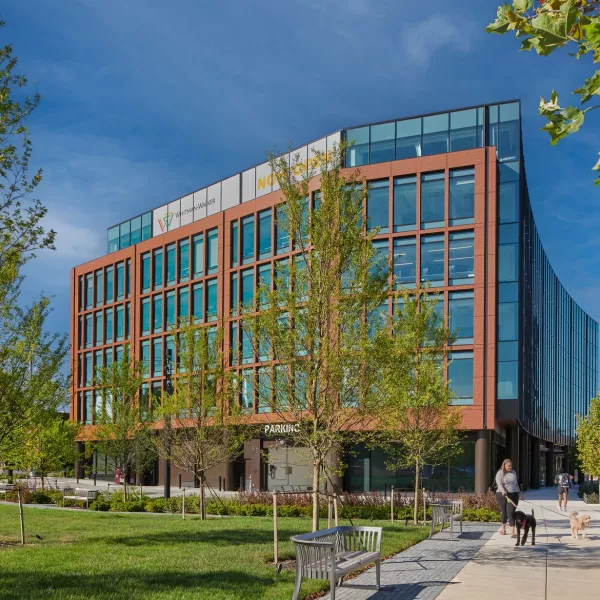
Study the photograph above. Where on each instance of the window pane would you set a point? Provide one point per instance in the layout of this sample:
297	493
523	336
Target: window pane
157	357
234	243
233	294
234	344
213	250
109	326
98	325
408	138
109	284
125	235
264	234
508	202
432	200
508	380
460	314
146	272
462	196
145	357
184	260
508	351
282	231
358	154
382	142
184	304
435	134
460	376
89	340
509	139
198	302
247	240
145	316
380	257
432	259
120	323
378	206
171	264
508	323
170	309
508	262
158	314
247	349
508	292
405	203
89	298
461	262
247	391
98	288
198	255
146	226
211	300
136	230
464	133
264	284
247	289
508	234
120	281
158	269
113	239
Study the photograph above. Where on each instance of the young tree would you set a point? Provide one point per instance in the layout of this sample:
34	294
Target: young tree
546	25
48	446
312	328
418	424
122	430
201	428
588	439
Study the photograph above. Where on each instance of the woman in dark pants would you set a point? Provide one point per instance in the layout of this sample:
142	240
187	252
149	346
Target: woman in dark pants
508	487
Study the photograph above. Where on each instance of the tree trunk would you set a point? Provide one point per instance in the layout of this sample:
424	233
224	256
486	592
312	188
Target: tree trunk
315	523
202	503
42	474
416	499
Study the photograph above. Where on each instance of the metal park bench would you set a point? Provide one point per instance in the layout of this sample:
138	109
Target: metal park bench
446	512
5	488
333	553
79	495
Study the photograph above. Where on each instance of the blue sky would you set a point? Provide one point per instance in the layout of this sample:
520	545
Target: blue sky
144	100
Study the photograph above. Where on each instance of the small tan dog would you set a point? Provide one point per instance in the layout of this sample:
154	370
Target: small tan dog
578	524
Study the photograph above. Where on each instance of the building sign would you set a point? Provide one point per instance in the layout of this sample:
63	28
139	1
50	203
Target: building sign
282	428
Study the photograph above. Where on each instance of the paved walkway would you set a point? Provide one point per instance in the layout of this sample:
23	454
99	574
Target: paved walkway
483	565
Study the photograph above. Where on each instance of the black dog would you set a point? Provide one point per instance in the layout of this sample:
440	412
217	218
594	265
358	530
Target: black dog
527	522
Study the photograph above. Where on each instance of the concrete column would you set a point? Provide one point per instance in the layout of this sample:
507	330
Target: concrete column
535	463
80	462
482	461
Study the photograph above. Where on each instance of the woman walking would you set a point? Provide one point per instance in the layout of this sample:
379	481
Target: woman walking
507	495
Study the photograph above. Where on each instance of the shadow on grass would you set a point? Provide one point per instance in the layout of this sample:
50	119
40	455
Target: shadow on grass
230	584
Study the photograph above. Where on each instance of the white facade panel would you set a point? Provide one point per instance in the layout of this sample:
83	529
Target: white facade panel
248	185
175	214
315	165
200	204
187	210
297	162
230	192
264	180
333	141
213	200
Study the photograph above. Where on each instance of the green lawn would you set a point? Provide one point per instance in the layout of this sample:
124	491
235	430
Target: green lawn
85	555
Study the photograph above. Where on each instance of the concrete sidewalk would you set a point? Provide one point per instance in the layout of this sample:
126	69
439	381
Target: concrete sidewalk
557	568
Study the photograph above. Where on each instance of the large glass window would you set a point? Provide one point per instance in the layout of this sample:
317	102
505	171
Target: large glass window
264	390
247	348
234	293
211	300
247	240
234	243
405	262
508	321
408	138
508	255
466	129
378	201
435	134
432	259
146	226
171	262
157	357
198	242
461	261
146	272
198	302
89	368
462	196
460	314
89	340
108	329
146	316
120	323
509	132
170	309
184	304
247	395
158	313
247	289
282	230
98	325
264	284
158	269
460	377
109	284
382	142
99	298
234	343
381	250
136	230
120	281
213	250
113	239
125	234
508	378
264	234
508	192
145	357
405	203
89	291
358	154
432	200
184	260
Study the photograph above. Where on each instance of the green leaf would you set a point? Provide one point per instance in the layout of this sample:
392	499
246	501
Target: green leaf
550	32
522	5
590	87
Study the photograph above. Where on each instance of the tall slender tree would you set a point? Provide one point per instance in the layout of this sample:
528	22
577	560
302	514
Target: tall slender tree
588	439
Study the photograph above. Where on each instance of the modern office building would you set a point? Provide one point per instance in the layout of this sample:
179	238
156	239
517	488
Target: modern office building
449	194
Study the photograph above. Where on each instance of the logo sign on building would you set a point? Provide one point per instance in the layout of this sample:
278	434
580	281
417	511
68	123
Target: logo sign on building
282	428
165	222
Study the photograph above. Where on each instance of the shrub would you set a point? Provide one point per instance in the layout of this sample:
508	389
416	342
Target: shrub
100	505
588	487
40	498
591	498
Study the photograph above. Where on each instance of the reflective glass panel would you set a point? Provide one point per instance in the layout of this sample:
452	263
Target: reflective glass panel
382	142
405	203
358	153
378	200
462	196
432	200
461	261
432	259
